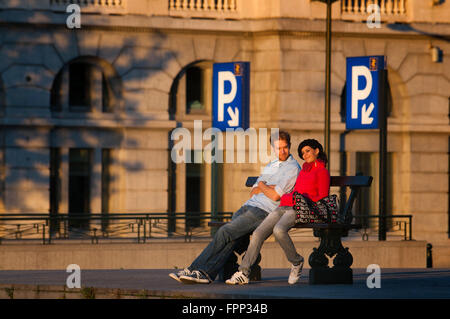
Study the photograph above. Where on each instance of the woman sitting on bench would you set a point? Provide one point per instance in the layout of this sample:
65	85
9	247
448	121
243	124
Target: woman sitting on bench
313	182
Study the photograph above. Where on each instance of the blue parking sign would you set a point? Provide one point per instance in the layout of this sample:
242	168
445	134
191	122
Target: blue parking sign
363	91
231	95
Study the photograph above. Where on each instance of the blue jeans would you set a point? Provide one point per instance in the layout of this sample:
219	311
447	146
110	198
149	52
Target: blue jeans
214	256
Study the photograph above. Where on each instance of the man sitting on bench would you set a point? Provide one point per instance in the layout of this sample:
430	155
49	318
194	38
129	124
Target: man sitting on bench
313	183
278	178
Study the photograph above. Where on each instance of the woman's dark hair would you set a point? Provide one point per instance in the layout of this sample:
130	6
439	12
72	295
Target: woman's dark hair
314	144
281	135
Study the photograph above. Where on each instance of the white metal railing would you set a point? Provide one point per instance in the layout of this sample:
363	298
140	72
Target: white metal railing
387	7
203	8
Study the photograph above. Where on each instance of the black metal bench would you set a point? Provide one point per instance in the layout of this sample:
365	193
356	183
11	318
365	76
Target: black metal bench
330	238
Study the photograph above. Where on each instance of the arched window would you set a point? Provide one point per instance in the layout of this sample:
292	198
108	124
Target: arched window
190	94
86	84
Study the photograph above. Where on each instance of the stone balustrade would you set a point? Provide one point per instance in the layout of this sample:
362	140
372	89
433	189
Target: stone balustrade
390	7
204	8
389	10
97	6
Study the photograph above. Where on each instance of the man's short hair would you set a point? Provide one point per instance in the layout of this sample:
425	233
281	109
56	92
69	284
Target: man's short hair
280	135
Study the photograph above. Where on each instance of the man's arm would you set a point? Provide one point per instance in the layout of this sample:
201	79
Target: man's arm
269	191
257	190
288	181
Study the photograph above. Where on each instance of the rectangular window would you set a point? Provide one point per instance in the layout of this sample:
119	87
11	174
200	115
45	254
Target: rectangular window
365	204
80	86
106	185
55	186
106	95
194	181
194	90
56	95
367	164
80	167
171	188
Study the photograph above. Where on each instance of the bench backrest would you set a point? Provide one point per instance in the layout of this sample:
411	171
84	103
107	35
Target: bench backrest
346	205
355	183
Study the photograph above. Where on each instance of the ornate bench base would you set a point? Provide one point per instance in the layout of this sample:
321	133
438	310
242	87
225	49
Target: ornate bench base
330	245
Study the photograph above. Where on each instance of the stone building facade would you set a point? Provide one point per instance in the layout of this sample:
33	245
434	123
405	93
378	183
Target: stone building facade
87	113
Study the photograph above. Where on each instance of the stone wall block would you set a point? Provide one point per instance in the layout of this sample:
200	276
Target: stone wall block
88	42
429	182
149	180
27	200
305	61
146	201
428	84
153	140
28	75
183	49
27	157
66	43
266	61
146	101
227	49
147	79
204	47
302	81
139	159
28	97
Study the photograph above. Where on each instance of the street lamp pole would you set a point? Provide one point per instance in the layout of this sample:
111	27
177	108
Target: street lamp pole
327	77
328	81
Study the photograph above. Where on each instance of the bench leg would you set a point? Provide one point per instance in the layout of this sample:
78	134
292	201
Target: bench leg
231	266
330	245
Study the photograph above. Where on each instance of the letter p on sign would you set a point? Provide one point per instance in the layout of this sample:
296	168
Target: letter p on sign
225	98
357	93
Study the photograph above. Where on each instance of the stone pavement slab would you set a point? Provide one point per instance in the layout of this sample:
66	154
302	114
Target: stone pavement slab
395	284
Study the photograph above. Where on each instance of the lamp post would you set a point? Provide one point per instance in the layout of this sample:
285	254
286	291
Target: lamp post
327	77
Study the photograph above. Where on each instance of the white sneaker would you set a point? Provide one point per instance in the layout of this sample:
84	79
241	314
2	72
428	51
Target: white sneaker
238	278
177	275
296	271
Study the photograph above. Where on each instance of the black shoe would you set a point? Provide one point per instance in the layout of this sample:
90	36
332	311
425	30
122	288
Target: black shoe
196	277
179	273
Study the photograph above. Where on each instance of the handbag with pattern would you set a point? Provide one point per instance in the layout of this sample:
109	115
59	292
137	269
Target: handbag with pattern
310	212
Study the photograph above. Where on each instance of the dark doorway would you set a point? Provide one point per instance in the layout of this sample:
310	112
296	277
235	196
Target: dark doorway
106	186
55	187
194	181
79	186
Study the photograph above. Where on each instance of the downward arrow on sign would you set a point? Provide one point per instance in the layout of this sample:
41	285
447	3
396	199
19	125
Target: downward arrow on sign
234	116
365	114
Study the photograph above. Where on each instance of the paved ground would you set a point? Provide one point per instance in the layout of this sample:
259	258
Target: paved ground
395	283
